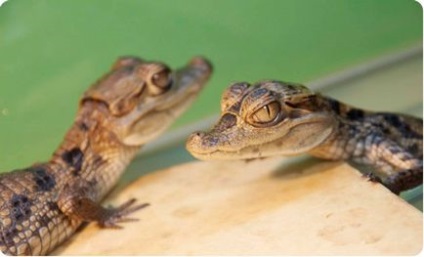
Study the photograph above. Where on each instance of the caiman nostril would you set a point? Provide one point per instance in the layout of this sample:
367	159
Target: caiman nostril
195	137
202	63
194	141
199	134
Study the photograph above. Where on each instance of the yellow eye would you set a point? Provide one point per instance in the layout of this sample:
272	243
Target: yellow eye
267	113
162	79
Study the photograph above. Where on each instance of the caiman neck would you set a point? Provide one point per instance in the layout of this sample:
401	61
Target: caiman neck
91	143
346	119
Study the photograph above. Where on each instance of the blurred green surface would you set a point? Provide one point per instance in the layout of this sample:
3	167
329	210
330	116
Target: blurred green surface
51	51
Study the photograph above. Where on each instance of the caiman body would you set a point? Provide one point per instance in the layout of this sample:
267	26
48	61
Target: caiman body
41	206
273	118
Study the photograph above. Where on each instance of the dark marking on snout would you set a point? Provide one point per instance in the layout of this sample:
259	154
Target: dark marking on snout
227	121
74	158
44	181
235	108
210	141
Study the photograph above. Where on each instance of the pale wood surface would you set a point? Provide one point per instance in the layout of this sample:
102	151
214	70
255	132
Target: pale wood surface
273	206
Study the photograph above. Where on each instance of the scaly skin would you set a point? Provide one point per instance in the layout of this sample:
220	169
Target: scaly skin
43	205
277	118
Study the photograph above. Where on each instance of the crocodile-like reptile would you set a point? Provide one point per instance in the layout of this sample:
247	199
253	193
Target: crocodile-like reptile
278	118
41	206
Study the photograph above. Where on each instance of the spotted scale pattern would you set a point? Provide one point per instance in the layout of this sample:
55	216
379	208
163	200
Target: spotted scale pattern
30	221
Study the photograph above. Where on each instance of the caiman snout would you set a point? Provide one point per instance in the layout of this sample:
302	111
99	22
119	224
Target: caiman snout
204	144
200	144
202	64
194	141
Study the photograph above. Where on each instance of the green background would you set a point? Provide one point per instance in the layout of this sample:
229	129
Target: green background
51	51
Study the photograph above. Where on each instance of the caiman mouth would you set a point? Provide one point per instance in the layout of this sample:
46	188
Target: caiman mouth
206	147
215	153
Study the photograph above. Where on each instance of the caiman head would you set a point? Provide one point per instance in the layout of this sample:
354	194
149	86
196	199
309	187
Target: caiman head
265	119
140	99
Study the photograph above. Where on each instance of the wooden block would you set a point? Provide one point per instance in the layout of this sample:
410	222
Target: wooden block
272	206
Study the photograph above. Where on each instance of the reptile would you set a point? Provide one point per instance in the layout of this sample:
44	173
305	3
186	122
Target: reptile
41	206
271	118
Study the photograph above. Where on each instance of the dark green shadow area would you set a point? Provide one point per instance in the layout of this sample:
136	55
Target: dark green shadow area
51	51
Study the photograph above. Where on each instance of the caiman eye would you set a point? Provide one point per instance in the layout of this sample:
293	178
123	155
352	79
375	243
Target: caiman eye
267	114
162	79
